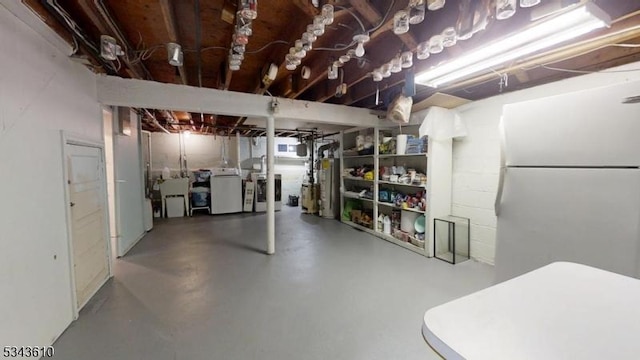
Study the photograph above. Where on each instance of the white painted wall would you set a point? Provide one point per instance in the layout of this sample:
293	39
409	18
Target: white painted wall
129	185
203	151
41	92
291	169
476	158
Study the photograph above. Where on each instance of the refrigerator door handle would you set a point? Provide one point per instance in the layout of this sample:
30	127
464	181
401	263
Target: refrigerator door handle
503	170
503	167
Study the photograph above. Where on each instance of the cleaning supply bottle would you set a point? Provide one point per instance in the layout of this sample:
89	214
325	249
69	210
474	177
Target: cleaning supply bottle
387	225
380	223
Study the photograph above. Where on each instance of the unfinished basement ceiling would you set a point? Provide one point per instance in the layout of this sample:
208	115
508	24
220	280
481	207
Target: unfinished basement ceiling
204	29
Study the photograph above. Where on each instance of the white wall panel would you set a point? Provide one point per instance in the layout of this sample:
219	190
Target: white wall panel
41	93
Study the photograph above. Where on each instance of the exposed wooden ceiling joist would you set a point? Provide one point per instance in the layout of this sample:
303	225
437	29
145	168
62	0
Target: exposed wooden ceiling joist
145	25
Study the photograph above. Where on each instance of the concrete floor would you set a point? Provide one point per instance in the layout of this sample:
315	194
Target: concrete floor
202	288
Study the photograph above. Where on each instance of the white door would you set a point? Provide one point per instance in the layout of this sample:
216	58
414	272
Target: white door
588	216
88	226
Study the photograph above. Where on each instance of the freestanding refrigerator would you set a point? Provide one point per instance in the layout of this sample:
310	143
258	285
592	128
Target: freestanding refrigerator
570	182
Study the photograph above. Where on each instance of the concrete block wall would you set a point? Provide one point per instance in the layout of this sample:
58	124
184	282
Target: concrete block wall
476	165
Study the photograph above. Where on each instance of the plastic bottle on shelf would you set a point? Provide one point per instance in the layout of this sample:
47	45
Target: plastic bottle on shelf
387	225
380	223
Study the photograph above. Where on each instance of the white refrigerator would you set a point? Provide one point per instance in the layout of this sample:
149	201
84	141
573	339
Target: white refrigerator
570	182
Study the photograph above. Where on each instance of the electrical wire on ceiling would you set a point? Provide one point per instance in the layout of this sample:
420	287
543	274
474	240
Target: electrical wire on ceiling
352	14
384	18
143	54
266	46
365	31
78	34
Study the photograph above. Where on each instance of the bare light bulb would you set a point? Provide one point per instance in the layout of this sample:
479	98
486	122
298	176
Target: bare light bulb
361	39
360	50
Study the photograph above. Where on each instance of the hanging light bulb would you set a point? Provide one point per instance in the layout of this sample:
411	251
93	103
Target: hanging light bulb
360	39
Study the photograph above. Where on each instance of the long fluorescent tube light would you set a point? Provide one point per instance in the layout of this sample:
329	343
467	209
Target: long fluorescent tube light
578	20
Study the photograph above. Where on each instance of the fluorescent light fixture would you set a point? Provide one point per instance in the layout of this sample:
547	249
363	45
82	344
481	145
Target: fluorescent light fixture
577	20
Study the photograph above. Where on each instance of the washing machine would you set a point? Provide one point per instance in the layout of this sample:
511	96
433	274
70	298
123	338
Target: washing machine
226	191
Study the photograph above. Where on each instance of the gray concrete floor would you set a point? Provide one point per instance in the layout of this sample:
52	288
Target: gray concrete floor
202	288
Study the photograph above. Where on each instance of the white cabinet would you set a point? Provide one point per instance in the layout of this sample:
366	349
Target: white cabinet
372	187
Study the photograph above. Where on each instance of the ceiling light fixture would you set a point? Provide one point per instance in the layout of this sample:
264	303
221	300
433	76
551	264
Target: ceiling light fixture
109	49
174	54
577	20
361	39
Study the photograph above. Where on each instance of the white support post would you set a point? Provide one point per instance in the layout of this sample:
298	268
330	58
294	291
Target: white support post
271	187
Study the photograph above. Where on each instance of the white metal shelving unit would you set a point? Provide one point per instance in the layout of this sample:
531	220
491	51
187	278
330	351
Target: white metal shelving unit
436	163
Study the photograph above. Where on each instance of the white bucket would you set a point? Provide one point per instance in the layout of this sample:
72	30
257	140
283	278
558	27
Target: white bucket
401	144
407	221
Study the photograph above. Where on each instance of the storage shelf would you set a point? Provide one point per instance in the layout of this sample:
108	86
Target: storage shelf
356	178
399	208
356	197
358	226
433	161
406	245
386	237
382	156
401	184
357	156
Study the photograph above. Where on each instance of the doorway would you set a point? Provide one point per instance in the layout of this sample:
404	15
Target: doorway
89	246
